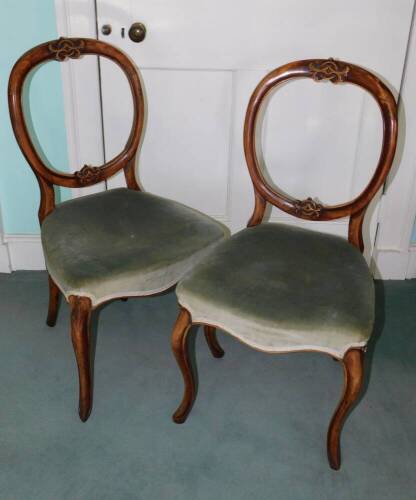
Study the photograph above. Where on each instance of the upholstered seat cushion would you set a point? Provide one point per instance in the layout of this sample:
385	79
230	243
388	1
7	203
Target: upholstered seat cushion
280	288
123	242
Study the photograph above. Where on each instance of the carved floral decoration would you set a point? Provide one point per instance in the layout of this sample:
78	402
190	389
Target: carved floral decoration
328	70
308	208
88	174
65	48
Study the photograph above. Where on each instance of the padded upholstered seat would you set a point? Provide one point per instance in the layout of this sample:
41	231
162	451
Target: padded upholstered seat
123	242
281	288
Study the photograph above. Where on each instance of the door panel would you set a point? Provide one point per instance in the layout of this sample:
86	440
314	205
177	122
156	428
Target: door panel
200	61
308	148
242	34
187	134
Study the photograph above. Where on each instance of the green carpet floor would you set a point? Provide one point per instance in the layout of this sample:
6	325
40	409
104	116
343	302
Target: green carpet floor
257	430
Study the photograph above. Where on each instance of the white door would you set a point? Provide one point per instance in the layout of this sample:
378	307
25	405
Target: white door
201	60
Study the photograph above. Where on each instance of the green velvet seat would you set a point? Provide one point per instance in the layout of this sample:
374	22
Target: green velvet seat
280	288
123	242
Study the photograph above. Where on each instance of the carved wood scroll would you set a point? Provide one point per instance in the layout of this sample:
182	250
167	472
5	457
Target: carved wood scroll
308	207
88	174
329	70
65	48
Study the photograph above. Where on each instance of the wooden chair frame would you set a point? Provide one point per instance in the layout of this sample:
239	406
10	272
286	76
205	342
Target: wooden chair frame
318	70
61	50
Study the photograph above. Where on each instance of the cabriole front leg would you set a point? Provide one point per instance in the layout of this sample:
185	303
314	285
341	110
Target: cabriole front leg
80	325
180	347
353	377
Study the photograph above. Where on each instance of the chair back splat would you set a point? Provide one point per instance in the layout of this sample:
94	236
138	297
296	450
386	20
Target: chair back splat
336	72
62	50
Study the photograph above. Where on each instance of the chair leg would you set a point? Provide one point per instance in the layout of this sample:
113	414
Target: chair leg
180	347
212	341
353	377
53	303
80	326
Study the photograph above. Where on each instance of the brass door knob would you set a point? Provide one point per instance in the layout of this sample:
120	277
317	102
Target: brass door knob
137	32
106	29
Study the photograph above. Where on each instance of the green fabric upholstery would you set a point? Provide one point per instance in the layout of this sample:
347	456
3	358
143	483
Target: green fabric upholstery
124	243
280	288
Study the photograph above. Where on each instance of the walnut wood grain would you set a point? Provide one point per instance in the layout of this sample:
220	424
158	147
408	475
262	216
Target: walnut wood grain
352	362
80	326
212	341
180	347
54	294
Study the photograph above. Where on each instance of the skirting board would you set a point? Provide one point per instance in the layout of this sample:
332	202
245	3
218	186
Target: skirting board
4	258
25	252
411	267
394	264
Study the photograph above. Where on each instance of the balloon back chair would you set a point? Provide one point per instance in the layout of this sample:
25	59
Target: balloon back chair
279	288
114	244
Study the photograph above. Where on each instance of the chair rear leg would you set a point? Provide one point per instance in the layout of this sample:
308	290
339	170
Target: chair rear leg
80	325
212	341
353	377
54	293
180	347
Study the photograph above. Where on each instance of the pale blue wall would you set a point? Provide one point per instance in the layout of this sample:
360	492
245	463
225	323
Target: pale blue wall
23	24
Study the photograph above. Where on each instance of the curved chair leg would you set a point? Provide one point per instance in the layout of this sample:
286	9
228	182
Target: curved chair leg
53	303
180	347
80	325
353	377
212	341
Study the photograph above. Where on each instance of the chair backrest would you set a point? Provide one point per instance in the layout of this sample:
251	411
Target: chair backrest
336	72
62	50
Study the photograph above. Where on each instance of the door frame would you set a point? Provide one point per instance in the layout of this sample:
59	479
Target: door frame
394	256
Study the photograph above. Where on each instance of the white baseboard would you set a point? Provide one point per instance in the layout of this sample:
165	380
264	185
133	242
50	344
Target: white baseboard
395	264
411	267
4	258
25	252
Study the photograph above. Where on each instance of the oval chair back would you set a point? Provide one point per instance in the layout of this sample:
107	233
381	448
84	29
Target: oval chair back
337	72
62	50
